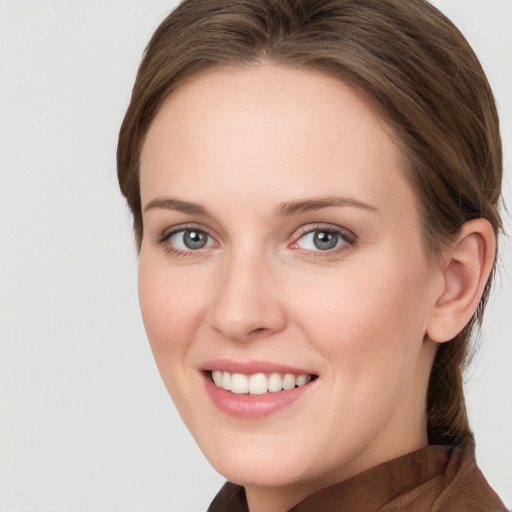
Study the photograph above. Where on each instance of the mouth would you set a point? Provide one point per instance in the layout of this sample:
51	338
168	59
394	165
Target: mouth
255	389
258	384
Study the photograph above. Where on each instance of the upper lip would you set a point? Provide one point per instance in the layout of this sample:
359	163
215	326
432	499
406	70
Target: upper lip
251	367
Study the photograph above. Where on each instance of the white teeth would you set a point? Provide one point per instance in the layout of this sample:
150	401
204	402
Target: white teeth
288	381
226	381
258	383
239	383
275	382
217	378
300	380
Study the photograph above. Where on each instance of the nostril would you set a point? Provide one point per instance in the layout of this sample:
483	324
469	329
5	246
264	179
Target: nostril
258	330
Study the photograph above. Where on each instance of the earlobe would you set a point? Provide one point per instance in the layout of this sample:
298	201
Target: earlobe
467	265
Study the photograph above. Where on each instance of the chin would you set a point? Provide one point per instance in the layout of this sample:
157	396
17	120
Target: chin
254	459
260	472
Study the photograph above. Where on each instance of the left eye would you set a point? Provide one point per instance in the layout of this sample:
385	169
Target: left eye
320	240
190	240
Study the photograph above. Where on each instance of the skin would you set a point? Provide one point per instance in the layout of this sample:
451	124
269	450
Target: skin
241	143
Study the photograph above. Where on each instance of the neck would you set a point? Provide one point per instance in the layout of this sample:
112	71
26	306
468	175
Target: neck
276	499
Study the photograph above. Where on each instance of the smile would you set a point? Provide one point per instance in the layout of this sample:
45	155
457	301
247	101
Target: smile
255	389
258	383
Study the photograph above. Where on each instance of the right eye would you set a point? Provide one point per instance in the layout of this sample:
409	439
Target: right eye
189	240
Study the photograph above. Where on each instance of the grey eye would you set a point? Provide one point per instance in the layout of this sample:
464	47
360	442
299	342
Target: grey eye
320	240
190	240
325	240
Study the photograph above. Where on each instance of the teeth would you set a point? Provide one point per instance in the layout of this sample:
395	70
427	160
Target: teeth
301	380
258	383
288	381
226	381
217	378
275	382
239	383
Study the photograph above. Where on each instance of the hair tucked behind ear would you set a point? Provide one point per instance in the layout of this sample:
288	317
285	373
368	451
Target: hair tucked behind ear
408	60
446	407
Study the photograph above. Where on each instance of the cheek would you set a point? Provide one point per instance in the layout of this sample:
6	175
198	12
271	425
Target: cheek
369	313
172	312
171	309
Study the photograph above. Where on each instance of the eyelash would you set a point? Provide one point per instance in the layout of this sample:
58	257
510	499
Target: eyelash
167	234
347	237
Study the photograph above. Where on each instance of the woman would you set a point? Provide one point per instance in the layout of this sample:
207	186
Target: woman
314	186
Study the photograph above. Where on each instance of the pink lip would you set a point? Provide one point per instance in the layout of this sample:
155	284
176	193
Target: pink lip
250	367
251	406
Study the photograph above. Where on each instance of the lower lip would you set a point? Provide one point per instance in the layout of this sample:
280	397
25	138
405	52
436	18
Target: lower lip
252	406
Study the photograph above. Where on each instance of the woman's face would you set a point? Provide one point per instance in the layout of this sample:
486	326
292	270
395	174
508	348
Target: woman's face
282	250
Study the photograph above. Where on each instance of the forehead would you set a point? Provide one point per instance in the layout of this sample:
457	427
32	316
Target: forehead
270	128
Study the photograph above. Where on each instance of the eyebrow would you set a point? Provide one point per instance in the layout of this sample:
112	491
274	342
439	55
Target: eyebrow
307	205
177	205
284	209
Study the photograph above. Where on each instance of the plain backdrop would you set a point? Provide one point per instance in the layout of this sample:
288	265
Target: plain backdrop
85	422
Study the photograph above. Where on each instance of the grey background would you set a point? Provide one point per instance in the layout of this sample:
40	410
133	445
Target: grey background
85	423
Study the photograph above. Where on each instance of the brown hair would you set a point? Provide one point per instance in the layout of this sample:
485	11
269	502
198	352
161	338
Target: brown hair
414	66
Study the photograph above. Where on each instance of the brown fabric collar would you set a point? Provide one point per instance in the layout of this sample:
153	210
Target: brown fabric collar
434	479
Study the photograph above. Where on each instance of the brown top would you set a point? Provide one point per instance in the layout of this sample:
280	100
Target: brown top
433	479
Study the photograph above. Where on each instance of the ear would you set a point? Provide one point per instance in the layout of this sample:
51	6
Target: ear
466	266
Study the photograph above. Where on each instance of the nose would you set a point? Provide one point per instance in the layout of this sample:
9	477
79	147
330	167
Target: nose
246	305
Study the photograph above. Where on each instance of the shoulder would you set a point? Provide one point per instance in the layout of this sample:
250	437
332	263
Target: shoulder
434	479
231	498
459	486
